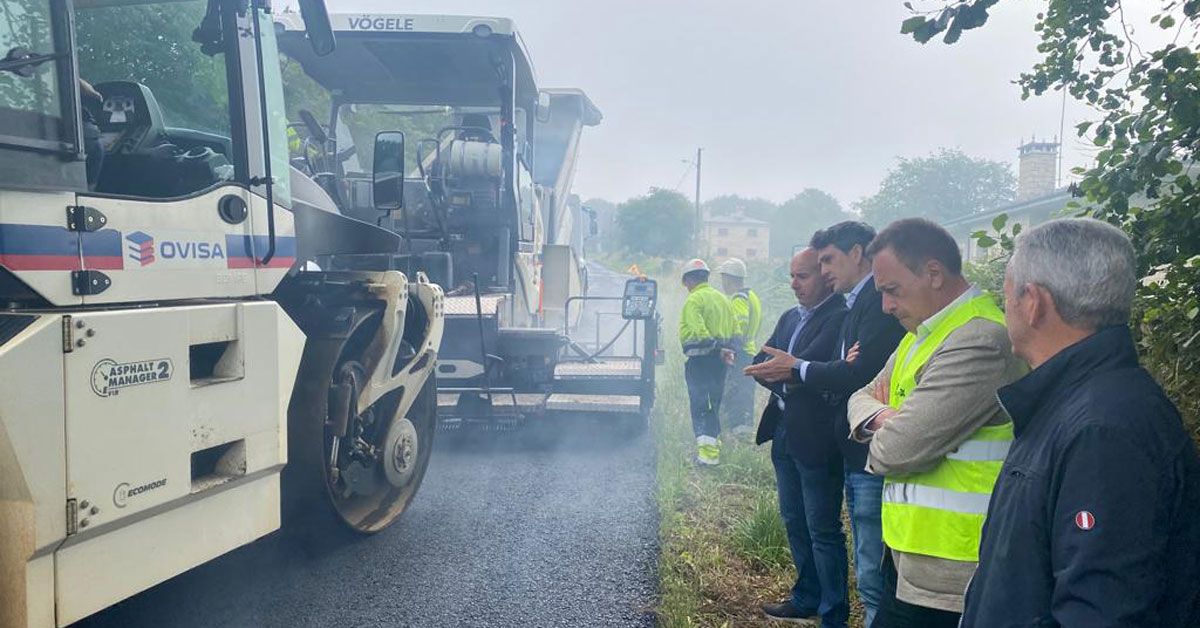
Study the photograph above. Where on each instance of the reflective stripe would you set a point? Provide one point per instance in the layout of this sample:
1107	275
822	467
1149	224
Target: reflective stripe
700	347
937	498
981	451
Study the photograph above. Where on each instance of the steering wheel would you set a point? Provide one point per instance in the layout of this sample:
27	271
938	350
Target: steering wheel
197	153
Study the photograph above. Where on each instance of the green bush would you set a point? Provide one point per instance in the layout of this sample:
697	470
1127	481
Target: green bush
1167	317
1165	321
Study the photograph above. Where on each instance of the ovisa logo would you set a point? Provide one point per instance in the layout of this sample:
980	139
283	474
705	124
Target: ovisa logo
175	249
144	250
141	247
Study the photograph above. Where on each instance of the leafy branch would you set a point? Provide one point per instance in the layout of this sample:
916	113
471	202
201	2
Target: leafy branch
1147	135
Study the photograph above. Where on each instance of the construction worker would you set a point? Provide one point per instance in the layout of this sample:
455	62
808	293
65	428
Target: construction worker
747	318
706	333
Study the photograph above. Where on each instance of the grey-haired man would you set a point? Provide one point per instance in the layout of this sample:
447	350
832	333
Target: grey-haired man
1095	520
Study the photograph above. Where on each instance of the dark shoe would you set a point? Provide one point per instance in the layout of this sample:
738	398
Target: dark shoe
784	611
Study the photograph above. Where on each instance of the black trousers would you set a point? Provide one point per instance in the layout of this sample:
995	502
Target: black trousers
894	613
705	377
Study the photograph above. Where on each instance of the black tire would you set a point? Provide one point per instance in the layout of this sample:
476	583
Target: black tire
308	497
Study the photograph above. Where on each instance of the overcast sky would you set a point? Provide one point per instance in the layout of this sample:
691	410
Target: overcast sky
782	95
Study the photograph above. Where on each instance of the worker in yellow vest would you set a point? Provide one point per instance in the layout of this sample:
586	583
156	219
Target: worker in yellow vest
936	431
706	337
738	405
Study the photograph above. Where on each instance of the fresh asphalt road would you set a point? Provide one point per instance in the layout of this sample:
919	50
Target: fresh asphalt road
551	526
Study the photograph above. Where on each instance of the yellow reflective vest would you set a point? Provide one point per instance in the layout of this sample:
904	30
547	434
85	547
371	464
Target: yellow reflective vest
747	319
706	323
940	512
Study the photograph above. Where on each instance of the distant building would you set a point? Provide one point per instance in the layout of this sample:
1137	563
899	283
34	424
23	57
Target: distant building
1037	169
735	236
1038	199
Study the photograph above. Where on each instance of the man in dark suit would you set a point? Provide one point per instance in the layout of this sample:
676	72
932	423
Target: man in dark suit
873	335
808	467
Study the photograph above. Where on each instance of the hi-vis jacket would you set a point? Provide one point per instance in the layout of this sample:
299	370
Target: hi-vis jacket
747	319
940	512
706	323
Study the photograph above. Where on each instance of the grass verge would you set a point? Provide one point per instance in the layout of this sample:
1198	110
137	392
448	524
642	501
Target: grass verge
724	549
723	545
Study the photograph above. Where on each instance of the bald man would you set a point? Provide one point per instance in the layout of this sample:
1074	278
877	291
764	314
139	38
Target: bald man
808	465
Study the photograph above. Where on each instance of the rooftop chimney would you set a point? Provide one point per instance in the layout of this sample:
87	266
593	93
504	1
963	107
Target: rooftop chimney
1037	169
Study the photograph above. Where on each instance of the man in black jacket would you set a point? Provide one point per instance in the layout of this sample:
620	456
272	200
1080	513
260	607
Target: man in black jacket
842	253
1095	520
808	469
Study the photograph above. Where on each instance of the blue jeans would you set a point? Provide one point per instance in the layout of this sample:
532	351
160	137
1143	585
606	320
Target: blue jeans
864	500
810	501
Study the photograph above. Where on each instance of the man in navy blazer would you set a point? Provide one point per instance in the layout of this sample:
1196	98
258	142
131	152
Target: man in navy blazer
808	467
870	336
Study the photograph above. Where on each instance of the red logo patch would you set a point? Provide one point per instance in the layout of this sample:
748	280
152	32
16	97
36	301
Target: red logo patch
1085	520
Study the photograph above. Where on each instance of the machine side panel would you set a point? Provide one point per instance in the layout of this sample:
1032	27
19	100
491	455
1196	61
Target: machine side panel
35	244
142	397
32	472
169	410
528	280
165	250
131	559
270	275
560	280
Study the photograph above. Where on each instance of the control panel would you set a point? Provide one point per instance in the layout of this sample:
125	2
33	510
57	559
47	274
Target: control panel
640	299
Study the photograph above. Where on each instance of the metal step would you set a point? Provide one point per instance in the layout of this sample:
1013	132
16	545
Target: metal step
617	404
524	401
465	305
608	368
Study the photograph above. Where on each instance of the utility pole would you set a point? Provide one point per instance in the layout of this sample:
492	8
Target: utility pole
699	217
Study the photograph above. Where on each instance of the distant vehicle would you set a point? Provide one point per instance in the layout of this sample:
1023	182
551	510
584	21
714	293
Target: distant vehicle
486	211
167	340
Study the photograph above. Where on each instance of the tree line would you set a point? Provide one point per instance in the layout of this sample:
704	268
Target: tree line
942	186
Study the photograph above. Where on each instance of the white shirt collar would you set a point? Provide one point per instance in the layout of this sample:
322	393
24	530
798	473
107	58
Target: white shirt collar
928	324
805	312
852	296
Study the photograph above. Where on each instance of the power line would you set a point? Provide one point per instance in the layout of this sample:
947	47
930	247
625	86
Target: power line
686	171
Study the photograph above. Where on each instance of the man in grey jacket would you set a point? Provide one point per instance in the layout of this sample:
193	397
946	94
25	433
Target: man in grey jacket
935	429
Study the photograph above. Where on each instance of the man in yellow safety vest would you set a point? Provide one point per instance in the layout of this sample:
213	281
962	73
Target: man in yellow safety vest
747	319
936	431
706	337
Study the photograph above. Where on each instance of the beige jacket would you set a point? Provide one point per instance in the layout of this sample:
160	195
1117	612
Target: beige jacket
955	395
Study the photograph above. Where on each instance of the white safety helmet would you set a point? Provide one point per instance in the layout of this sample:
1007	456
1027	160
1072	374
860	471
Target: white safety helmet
733	267
694	265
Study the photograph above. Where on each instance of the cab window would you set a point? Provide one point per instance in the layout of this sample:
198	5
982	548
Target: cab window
31	103
276	112
161	101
